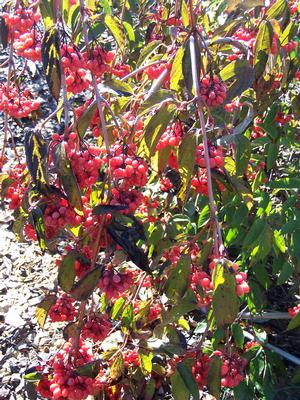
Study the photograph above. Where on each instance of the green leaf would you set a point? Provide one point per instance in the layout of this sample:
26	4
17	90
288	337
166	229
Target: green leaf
154	100
33	376
273	150
262	47
256	228
294	322
155	127
90	370
278	9
214	376
43	308
285	183
83	122
187	68
186	161
147	51
145	358
83	289
116	28
225	302
286	272
179	390
204	216
176	76
178	280
243	154
185	14
120	87
127	316
47	12
149	390
117	308
39	227
36	150
238	334
117	367
241	75
188	303
50	51
185	373
66	176
67	272
129	31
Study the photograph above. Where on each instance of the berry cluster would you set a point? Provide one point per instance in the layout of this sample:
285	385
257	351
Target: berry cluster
155	71
171	137
28	45
96	327
17	103
120	70
165	184
86	166
98	60
199	182
131	358
200	369
125	166
63	309
65	382
215	156
114	284
232	369
293	311
17	188
257	131
130	197
253	168
203	280
213	91
283	119
290	46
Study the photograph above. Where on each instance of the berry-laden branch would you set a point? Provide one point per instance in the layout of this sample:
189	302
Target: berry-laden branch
218	242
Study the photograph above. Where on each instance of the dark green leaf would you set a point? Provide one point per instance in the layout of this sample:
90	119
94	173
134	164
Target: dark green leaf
214	376
243	154
3	33
67	272
186	374
36	150
294	322
286	272
262	47
118	86
39	227
241	75
47	12
85	119
273	150
66	176
107	208
90	370
285	183
178	280
225	301
50	50
238	334
83	289
179	390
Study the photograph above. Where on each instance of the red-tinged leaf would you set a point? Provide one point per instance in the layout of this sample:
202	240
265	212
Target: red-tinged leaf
83	289
43	308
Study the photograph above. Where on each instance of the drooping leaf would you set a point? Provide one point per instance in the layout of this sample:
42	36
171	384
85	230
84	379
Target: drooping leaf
120	87
145	358
179	390
157	98
277	10
155	127
238	334
117	367
3	33
116	28
243	154
127	316
185	14
188	303
147	51
176	75
83	122
214	376
294	322
67	272
178	280
186	161
83	289
66	176
273	150
36	150
241	75
43	308
90	370
39	227
187	68
48	12
50	51
262	47
117	308
185	372
225	302
70	330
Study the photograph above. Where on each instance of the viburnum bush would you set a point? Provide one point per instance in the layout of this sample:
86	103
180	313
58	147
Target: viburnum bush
166	190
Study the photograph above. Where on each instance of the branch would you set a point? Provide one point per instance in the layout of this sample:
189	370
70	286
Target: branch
218	242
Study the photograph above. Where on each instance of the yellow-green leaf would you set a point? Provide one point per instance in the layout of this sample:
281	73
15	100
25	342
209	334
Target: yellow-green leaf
43	308
185	14
116	28
186	160
117	367
262	47
176	71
